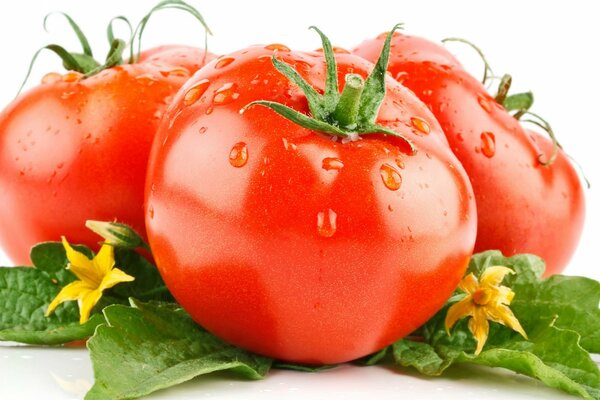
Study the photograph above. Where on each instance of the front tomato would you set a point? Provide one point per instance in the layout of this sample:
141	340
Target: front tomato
290	242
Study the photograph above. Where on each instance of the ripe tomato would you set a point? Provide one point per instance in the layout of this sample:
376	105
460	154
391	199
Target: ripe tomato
73	149
288	243
523	206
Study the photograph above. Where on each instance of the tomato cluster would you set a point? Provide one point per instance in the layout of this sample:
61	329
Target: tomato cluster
304	205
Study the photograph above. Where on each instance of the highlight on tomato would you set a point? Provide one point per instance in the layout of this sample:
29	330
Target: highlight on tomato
76	146
303	205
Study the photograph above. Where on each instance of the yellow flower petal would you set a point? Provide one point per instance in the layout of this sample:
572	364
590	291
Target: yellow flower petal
458	311
501	295
114	277
504	315
87	303
480	328
493	276
469	284
80	265
72	291
105	259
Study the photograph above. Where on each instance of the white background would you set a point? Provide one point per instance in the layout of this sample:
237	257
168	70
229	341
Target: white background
550	48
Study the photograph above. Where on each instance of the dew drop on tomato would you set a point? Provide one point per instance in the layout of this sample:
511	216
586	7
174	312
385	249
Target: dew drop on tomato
202	130
238	156
326	223
146	79
332	164
223	62
288	145
226	94
484	103
277	46
400	163
72	76
390	177
194	93
420	124
177	71
488	144
51	77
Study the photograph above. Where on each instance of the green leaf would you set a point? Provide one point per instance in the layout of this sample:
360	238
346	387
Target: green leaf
148	284
25	293
551	355
51	258
572	300
302	367
518	101
557	314
152	347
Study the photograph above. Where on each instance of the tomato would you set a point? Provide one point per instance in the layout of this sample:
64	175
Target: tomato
74	149
523	205
282	240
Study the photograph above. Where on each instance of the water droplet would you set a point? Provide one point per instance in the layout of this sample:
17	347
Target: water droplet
72	76
401	76
384	35
460	137
420	124
488	144
224	61
278	47
390	207
51	77
390	177
226	94
340	50
60	165
288	145
484	103
194	93
326	223
332	164
209	110
202	129
67	95
238	156
146	79
177	71
151	211
400	163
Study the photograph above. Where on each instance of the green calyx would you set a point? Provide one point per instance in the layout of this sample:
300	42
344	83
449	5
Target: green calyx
84	61
347	114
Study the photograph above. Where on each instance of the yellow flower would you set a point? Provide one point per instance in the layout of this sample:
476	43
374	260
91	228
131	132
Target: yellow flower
95	276
485	300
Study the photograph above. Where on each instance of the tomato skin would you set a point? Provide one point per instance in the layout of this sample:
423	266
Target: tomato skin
523	206
276	253
73	151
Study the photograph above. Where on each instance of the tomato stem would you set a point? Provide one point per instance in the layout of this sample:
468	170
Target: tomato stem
346	111
348	115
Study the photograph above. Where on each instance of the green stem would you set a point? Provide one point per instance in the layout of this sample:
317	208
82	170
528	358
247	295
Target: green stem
503	88
346	111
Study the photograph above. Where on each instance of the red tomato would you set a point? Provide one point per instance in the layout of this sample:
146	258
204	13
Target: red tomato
288	243
523	206
74	149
